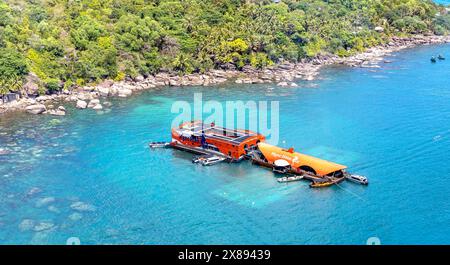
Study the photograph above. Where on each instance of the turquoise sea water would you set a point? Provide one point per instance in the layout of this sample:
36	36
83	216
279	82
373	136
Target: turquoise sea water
90	175
444	2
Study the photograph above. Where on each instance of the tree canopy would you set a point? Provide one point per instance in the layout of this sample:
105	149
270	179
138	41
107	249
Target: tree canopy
83	41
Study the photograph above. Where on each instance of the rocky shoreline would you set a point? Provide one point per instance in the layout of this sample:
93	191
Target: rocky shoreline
284	74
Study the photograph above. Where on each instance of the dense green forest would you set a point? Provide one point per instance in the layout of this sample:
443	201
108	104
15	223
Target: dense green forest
75	42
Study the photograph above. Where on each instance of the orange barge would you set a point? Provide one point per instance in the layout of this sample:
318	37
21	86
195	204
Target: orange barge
198	137
235	145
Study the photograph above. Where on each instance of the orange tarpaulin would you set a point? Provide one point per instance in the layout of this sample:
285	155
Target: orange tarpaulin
296	160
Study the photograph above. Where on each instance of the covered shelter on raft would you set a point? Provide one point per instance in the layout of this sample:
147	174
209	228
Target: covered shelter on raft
297	163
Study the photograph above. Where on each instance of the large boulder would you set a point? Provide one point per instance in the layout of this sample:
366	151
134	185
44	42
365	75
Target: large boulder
57	113
97	107
103	91
31	85
283	84
93	103
195	80
60	111
4	151
81	104
173	82
106	83
139	78
42	98
36	109
125	92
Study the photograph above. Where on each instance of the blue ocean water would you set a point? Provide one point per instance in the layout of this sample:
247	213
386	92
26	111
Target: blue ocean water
443	2
91	175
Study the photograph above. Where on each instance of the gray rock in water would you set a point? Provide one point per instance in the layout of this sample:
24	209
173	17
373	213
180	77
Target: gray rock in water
125	92
81	104
93	103
26	225
36	109
33	191
4	151
45	201
42	226
53	209
75	216
83	207
103	91
112	232
97	107
56	112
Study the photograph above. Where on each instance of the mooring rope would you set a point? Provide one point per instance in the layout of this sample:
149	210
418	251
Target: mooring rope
354	194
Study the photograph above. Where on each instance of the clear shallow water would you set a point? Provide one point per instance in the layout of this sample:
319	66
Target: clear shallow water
391	124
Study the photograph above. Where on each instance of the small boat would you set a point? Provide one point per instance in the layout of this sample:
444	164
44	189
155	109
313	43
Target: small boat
321	184
196	159
441	57
357	179
199	159
433	59
158	144
211	160
290	179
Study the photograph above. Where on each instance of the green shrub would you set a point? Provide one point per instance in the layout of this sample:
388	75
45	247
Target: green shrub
53	85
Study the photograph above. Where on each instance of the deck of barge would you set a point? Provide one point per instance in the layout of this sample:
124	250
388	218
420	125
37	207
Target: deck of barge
197	151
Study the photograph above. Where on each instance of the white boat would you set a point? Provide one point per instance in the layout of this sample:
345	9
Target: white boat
357	179
211	160
198	159
290	179
158	144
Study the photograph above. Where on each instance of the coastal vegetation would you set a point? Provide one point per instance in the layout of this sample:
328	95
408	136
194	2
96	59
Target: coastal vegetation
61	44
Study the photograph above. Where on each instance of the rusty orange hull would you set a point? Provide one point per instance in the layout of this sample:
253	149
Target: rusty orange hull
233	144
